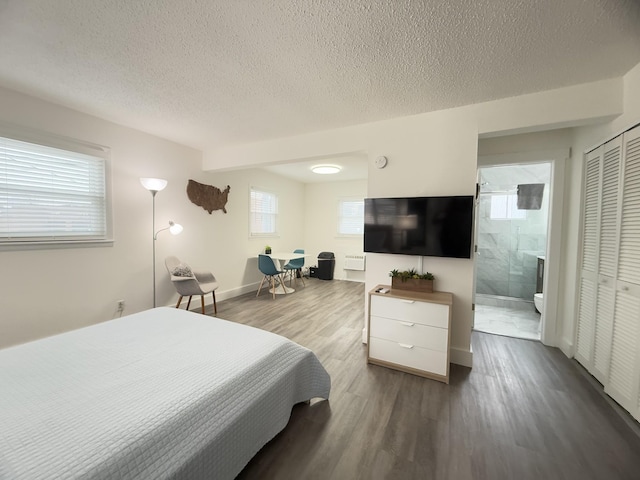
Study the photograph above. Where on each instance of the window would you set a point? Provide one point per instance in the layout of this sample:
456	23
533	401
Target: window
350	216
505	207
263	213
51	195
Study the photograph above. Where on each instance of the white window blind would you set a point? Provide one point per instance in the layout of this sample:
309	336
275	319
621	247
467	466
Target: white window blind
49	194
351	217
263	213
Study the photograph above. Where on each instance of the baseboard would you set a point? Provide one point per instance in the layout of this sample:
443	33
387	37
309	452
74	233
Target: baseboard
624	415
461	356
351	280
220	295
567	347
231	293
235	292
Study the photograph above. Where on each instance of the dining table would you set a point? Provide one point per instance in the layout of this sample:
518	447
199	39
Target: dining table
282	258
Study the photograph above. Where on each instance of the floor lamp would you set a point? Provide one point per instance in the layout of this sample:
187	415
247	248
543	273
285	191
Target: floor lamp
154	185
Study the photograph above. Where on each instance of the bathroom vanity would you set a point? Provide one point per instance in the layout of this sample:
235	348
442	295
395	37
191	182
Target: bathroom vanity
540	274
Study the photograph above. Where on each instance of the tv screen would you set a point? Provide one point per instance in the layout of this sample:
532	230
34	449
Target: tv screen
427	226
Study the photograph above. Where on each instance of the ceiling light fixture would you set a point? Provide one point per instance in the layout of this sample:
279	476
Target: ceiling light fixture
326	169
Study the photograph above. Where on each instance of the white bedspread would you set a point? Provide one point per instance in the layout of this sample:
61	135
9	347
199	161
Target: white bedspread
164	393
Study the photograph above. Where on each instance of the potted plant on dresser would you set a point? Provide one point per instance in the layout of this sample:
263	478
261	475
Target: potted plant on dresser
411	280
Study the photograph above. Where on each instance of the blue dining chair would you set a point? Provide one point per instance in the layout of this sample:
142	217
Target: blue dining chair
268	268
293	266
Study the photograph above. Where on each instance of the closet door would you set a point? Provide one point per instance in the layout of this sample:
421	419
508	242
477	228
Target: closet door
624	371
588	274
607	258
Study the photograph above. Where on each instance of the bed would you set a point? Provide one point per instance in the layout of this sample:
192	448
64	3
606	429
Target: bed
164	393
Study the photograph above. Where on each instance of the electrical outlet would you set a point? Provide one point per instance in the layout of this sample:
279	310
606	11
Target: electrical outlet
120	305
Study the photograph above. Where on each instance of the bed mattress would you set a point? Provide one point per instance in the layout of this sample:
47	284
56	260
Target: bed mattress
164	393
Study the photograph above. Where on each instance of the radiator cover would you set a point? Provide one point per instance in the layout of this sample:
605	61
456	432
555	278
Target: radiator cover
354	261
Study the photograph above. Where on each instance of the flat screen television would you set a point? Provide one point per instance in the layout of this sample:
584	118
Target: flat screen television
427	226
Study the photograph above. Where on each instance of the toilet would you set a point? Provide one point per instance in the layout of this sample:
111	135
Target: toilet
538	301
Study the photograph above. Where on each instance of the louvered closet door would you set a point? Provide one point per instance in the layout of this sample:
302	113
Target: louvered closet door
624	371
588	276
607	258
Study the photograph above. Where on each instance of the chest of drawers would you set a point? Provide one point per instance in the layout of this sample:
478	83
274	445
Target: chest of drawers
410	331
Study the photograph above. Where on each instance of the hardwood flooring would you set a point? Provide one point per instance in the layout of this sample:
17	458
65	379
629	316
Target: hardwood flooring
524	411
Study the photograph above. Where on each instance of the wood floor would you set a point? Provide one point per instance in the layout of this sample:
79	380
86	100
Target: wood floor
524	411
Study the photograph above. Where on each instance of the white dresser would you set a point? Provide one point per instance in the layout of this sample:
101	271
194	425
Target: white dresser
409	331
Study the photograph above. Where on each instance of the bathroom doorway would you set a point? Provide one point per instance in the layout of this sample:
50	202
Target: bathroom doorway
511	236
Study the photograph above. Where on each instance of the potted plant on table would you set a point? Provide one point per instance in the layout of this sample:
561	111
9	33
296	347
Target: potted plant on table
411	280
267	250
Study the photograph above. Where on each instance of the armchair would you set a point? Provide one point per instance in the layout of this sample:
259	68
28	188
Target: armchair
189	283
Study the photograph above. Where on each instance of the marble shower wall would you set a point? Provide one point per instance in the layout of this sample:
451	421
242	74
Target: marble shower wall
508	249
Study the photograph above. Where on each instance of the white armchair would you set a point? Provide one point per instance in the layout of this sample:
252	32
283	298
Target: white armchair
190	282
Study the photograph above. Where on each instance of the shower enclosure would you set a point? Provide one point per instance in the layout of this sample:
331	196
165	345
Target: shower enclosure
510	241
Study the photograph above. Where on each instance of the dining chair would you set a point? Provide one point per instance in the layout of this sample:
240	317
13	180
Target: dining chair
268	268
294	266
189	283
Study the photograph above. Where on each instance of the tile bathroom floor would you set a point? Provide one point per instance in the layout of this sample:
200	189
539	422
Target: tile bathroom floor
509	322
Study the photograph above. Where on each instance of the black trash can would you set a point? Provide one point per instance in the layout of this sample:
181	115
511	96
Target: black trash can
326	265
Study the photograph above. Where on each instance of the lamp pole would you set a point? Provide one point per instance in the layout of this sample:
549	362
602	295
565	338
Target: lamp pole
155	235
175	229
154	185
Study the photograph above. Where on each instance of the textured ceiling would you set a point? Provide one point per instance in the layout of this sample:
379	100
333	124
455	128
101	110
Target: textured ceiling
209	73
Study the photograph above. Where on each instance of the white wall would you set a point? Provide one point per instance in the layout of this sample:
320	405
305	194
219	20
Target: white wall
234	256
429	154
53	290
321	221
560	139
578	139
588	137
435	154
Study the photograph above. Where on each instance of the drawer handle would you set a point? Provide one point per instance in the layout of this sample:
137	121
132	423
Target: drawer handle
408	301
625	289
407	324
404	345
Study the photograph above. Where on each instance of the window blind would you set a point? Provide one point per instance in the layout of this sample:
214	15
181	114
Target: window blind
50	194
263	212
351	217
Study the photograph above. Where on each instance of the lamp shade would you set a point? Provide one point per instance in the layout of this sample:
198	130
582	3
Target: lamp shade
175	228
153	184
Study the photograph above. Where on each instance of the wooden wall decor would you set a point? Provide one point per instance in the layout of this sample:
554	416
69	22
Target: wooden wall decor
207	196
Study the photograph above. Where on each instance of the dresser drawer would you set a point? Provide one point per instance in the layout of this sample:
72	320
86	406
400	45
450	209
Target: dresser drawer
409	356
411	333
413	311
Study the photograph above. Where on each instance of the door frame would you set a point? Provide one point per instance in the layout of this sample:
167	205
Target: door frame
550	326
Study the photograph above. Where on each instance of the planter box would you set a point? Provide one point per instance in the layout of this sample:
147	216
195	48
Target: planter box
412	284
